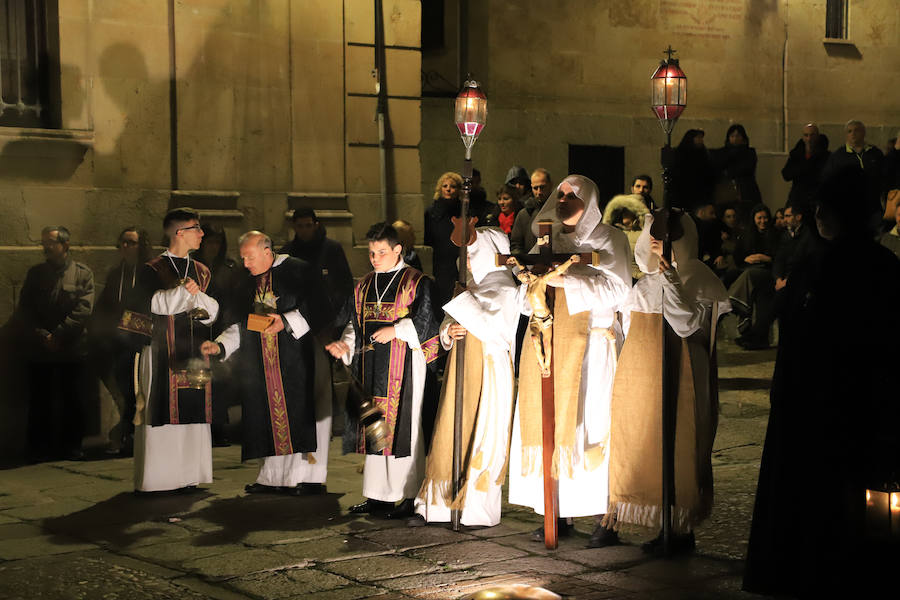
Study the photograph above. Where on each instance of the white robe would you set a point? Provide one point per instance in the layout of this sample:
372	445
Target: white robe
391	478
586	492
291	470
491	315
169	457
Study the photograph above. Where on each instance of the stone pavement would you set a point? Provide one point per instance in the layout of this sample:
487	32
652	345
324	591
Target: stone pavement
75	530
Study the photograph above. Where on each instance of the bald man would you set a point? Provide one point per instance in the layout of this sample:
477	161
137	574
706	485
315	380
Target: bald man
270	337
804	165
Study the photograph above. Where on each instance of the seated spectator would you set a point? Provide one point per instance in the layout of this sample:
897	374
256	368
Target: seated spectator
753	292
730	232
891	239
508	201
709	232
407	236
891	181
779	220
114	341
55	304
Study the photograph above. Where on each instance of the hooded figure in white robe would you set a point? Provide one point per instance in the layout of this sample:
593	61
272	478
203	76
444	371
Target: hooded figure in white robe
489	313
586	338
691	298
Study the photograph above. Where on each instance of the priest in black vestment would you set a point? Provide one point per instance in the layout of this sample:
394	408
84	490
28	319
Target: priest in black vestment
276	364
172	442
390	337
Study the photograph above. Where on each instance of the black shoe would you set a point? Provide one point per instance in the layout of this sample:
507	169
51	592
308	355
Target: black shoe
188	489
602	537
748	343
404	510
369	506
307	489
258	488
416	521
682	543
74	455
563	529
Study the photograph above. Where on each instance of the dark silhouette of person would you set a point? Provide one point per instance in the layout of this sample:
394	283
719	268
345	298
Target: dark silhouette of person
832	430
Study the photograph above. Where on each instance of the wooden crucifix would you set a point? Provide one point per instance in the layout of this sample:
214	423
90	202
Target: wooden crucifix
541	267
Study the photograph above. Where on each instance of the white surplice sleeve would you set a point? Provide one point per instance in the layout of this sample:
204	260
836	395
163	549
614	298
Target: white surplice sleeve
685	316
406	332
230	339
348	336
585	292
178	300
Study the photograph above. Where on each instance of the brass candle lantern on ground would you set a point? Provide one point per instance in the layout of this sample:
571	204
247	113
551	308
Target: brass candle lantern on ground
883	513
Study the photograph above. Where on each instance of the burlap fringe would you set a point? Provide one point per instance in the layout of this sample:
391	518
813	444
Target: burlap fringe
443	490
621	515
533	460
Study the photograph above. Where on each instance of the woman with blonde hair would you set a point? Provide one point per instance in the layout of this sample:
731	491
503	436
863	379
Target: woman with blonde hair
438	226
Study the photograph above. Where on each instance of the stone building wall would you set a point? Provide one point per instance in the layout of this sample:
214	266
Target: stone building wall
577	72
275	105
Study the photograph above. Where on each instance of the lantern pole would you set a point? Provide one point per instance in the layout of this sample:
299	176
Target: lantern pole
471	113
668	100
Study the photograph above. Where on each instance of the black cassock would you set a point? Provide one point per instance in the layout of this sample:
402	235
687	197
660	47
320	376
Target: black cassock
173	401
385	370
277	371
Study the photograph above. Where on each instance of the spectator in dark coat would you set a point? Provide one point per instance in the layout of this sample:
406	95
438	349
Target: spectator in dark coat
438	227
804	166
55	304
311	244
735	164
856	153
113	341
693	176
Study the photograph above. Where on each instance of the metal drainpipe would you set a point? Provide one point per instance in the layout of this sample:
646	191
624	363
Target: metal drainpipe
381	104
784	83
173	101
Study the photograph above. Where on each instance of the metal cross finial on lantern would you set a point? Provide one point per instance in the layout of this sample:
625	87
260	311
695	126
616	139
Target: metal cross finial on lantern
471	113
668	92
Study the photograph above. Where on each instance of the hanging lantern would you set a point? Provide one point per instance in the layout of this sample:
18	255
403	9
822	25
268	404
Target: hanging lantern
668	92
471	113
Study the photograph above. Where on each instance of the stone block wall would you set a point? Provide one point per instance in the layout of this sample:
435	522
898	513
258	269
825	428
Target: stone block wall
274	109
577	72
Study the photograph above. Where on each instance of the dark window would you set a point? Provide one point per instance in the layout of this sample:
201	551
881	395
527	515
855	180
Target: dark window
836	19
29	63
605	165
432	25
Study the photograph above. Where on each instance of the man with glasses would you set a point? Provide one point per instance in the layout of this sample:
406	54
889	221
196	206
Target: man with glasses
56	301
172	441
114	339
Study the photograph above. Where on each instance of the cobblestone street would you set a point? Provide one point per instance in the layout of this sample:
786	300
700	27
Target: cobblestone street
75	530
